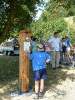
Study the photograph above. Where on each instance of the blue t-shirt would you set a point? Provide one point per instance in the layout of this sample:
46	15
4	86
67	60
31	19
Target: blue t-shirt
39	59
67	42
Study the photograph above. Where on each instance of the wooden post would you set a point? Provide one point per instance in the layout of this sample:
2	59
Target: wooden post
23	62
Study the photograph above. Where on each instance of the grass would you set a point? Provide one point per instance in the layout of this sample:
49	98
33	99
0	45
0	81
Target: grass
9	68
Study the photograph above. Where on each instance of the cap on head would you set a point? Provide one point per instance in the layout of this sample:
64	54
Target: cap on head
40	47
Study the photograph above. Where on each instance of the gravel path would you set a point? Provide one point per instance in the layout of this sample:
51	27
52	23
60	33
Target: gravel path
63	91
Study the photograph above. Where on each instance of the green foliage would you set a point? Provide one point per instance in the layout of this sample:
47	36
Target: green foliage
52	18
43	30
15	15
72	36
18	14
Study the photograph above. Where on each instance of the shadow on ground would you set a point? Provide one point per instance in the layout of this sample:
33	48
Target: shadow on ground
56	77
9	68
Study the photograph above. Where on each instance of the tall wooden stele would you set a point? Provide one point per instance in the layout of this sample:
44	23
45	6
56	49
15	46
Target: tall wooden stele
23	62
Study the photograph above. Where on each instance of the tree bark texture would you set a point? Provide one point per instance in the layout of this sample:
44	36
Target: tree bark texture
23	62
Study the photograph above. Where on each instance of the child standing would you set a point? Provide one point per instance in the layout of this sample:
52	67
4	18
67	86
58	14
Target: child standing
39	59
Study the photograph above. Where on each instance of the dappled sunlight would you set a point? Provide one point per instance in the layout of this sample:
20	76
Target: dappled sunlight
58	76
8	88
55	85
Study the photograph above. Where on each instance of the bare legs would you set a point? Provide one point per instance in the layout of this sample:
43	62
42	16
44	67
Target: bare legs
39	86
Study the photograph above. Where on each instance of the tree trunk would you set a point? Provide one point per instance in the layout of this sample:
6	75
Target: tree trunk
23	63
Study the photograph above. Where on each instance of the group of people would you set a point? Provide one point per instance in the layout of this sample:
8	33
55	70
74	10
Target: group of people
55	50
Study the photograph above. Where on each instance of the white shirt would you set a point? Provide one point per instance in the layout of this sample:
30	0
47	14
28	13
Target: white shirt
55	43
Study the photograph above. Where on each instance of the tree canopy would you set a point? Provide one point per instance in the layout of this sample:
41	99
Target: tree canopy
52	18
15	15
18	14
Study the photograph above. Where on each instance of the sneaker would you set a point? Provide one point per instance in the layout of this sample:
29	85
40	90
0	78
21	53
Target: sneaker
36	96
41	94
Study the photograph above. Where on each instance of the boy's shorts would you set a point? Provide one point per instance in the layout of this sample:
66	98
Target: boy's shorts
40	74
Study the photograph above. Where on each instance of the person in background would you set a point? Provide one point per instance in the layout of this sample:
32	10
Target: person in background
73	59
63	51
27	45
68	48
47	47
33	43
39	59
55	43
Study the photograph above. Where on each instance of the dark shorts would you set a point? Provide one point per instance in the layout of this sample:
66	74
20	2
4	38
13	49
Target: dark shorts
64	49
40	74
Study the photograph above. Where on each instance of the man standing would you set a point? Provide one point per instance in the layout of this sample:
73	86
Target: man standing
68	48
55	44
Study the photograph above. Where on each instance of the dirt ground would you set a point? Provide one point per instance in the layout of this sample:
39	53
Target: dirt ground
64	90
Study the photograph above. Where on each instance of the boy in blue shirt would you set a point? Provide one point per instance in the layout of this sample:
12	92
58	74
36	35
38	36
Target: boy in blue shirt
39	59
